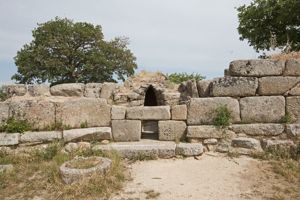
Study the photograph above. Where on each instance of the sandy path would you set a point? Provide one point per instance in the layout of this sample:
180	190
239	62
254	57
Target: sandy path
212	177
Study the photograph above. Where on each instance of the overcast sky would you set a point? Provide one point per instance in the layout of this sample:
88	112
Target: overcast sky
165	35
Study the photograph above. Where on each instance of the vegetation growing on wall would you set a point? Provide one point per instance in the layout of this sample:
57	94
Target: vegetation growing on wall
63	51
181	77
13	125
3	94
223	116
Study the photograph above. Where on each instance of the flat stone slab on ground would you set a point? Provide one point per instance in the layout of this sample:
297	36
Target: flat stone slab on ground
87	134
41	136
258	129
189	149
9	139
247	143
141	150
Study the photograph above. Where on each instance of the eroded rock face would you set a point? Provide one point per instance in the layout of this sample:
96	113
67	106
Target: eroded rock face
257	68
203	110
92	90
14	90
87	134
276	85
293	107
206	131
77	111
292	67
126	130
293	130
171	130
68	90
234	86
192	90
107	90
39	113
203	87
258	129
263	109
149	113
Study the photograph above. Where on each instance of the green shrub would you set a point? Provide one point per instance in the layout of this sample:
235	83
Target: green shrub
50	151
181	77
223	116
84	124
3	94
13	125
287	119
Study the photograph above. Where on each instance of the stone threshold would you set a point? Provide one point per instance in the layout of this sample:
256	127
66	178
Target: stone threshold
145	149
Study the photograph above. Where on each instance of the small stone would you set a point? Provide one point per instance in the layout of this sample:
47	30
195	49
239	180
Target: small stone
84	145
105	142
8	167
71	147
210	141
189	149
222	148
9	139
247	143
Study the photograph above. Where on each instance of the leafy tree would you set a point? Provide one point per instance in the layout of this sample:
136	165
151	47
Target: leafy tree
66	52
268	24
181	77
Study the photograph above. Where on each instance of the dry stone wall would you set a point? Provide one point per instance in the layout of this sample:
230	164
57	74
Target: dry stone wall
259	94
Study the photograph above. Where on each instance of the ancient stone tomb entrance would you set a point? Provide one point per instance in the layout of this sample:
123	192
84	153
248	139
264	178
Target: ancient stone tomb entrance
150	128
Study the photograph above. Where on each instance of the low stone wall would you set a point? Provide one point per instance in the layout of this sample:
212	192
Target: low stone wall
259	94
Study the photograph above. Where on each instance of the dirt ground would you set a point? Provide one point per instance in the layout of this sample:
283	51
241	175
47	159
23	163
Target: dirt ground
210	177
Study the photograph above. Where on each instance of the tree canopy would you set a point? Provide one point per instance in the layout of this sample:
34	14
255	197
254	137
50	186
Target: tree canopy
63	51
268	24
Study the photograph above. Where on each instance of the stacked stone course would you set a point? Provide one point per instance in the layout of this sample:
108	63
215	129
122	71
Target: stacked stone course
258	94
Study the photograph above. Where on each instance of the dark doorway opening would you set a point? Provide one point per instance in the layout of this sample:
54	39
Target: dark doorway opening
150	97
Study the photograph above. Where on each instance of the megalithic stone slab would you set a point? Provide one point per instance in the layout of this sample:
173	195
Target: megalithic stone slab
149	113
68	90
203	110
126	130
256	68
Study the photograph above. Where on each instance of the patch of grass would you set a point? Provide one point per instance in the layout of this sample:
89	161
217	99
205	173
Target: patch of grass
223	116
3	94
38	175
57	126
84	124
13	125
83	164
142	156
151	194
287	119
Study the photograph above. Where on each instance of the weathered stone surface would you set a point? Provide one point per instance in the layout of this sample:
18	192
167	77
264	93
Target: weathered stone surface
248	143
171	98
277	144
276	85
192	90
295	91
126	130
234	86
257	68
87	134
38	112
292	68
107	90
189	149
142	149
8	139
72	147
258	129
262	109
92	90
149	113
42	136
4	112
76	111
179	112
68	90
73	175
14	90
206	131
203	87
293	130
118	112
210	141
39	90
293	107
203	110
171	130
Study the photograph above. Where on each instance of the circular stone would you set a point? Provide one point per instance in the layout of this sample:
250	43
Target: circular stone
71	174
